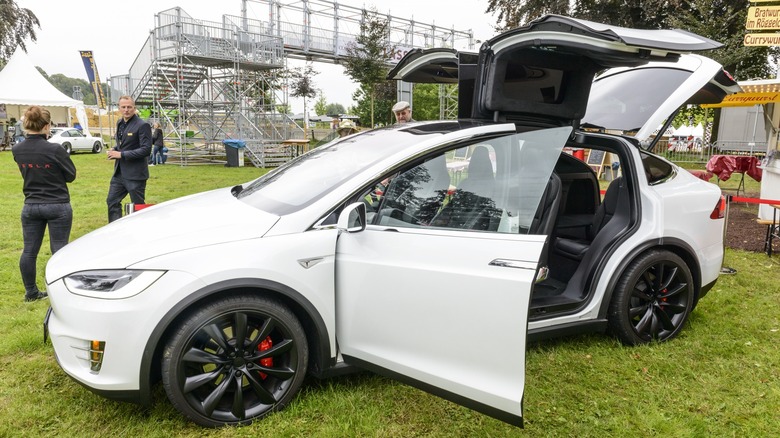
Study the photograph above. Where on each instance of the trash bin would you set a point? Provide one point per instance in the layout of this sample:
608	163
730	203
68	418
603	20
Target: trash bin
234	151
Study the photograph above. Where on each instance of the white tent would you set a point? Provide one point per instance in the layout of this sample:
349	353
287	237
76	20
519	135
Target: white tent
21	85
690	131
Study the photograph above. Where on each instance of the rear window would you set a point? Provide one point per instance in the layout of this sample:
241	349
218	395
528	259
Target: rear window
625	101
657	170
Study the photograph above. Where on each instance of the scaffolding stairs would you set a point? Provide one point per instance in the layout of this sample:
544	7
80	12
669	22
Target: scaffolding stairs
207	82
167	83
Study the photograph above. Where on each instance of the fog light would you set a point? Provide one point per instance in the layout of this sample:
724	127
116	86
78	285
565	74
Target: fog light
96	349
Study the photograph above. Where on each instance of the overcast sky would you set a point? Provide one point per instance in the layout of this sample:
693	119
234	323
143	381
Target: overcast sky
116	31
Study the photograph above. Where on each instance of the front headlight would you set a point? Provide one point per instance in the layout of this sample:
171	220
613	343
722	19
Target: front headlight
111	284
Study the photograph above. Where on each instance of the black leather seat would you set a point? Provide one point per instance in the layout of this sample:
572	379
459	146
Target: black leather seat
576	248
547	213
472	205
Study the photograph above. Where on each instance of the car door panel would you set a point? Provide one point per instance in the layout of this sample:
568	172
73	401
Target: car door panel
447	310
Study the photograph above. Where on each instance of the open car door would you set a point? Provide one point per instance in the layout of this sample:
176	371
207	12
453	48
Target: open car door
437	304
542	72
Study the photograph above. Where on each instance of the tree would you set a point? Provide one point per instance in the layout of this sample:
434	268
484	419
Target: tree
321	105
384	96
724	21
335	109
65	85
367	60
426	102
16	25
720	20
640	14
303	86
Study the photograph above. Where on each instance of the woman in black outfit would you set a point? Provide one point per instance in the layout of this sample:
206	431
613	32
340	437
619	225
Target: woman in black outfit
157	143
46	169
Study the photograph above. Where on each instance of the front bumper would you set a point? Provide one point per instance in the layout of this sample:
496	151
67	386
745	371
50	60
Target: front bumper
123	325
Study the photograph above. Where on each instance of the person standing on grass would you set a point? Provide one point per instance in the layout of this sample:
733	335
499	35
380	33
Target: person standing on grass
46	169
19	133
157	141
130	155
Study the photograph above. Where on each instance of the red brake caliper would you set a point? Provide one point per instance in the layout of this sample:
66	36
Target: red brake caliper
268	362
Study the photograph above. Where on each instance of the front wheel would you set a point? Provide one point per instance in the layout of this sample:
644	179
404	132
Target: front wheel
234	361
97	147
653	299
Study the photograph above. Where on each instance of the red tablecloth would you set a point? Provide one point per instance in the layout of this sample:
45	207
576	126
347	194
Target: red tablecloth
701	174
724	165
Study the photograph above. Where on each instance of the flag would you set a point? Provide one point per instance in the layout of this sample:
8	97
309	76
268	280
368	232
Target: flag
94	78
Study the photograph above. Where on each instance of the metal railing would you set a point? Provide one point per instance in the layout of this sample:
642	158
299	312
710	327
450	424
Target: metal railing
697	152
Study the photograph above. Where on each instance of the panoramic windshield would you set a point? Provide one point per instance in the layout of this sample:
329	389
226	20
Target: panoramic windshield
303	180
625	101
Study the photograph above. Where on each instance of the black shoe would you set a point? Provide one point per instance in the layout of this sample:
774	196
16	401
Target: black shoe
36	297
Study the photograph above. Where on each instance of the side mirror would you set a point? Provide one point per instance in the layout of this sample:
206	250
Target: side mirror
353	218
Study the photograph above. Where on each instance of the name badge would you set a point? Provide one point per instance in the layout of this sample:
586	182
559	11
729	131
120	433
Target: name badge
129	134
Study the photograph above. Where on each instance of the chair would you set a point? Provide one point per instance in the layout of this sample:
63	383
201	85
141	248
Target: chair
480	179
545	216
472	206
576	248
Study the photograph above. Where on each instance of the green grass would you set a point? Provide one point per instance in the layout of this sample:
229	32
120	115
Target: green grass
719	378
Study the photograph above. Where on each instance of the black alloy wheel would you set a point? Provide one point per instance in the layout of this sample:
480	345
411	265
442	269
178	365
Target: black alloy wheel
653	299
68	148
97	147
235	361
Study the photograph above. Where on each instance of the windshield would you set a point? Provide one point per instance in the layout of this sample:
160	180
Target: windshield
625	101
303	180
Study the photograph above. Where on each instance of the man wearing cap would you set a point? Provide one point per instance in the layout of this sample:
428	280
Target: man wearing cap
403	112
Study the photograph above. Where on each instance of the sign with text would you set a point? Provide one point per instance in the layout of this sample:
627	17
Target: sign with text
763	18
746	99
762	39
94	78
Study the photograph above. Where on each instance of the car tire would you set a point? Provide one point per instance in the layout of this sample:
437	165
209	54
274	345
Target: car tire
653	299
97	147
68	148
215	382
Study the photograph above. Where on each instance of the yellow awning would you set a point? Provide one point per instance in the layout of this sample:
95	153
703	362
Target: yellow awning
746	99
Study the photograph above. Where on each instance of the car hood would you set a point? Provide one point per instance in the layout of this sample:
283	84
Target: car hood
193	221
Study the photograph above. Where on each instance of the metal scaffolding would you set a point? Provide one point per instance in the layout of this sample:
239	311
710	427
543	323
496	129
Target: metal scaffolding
206	81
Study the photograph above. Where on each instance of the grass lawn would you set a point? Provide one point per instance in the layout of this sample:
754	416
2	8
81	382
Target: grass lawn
721	377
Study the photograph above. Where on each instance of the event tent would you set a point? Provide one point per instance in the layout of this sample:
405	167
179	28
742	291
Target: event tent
22	85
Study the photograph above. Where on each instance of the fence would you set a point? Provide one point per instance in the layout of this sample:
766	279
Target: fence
696	152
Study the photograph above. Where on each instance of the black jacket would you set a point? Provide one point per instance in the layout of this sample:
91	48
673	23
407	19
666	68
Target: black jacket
157	137
134	140
46	168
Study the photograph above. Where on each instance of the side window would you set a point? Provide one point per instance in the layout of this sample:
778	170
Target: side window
65	134
656	169
413	197
493	186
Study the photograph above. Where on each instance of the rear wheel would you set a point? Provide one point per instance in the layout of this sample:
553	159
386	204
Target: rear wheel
97	147
235	361
653	299
68	147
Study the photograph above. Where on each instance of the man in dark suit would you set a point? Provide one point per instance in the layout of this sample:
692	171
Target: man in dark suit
130	155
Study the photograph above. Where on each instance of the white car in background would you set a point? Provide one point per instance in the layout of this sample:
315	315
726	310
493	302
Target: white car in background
73	140
429	251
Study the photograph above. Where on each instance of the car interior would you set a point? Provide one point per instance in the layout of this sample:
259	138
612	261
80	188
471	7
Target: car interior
583	206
